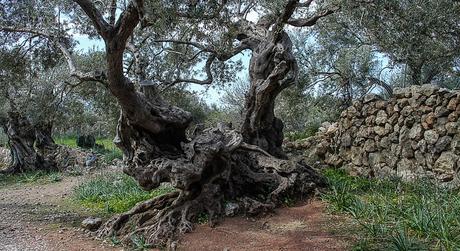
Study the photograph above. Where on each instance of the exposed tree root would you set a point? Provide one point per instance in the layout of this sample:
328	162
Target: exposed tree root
215	168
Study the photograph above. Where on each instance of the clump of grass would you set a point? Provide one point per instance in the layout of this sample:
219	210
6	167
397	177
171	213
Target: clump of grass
55	177
38	176
114	193
397	215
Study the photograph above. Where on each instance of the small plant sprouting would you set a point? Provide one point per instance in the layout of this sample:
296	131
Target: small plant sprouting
203	218
139	243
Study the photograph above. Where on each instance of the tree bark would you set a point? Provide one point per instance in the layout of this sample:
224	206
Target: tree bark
43	134
272	69
21	139
214	168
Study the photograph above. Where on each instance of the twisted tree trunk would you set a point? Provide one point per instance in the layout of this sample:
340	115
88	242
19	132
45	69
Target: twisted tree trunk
44	140
21	139
214	167
272	69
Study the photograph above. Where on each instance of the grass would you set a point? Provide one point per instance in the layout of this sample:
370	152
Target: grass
41	177
110	152
113	193
396	215
66	141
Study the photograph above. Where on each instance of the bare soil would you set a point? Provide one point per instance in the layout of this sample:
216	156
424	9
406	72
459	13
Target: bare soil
303	227
38	217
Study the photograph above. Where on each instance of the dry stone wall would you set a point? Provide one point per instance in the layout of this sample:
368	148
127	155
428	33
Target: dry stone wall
414	134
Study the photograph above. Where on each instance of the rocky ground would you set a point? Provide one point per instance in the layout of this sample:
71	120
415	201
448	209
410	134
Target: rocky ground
39	217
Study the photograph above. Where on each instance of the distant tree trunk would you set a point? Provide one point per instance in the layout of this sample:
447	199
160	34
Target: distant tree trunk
21	139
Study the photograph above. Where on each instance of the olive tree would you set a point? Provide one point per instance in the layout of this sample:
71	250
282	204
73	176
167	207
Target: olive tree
245	166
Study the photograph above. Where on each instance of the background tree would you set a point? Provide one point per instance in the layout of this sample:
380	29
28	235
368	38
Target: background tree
421	36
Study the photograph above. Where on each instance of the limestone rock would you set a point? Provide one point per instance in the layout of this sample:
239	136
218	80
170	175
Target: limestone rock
446	163
91	223
415	132
441	111
442	144
381	118
231	209
431	137
428	90
451	128
370	146
453	104
371	97
379	130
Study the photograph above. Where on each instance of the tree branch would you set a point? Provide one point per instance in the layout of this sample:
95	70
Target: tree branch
102	27
82	76
96	76
113	12
129	19
207	81
305	22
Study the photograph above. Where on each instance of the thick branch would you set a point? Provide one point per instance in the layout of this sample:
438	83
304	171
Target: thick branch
25	30
304	22
221	56
102	27
207	81
113	11
82	76
128	21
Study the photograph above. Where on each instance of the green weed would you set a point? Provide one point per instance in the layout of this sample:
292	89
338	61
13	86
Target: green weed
139	243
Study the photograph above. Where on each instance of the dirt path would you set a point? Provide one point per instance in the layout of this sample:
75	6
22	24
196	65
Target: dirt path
304	227
35	217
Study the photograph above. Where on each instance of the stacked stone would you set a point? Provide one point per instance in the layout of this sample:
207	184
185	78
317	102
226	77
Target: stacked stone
414	134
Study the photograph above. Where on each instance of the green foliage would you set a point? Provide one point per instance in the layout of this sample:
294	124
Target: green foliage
55	177
416	34
396	215
309	131
69	141
113	193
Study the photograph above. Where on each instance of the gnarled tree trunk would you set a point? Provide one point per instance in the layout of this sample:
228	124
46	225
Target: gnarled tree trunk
214	167
272	68
21	139
44	140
